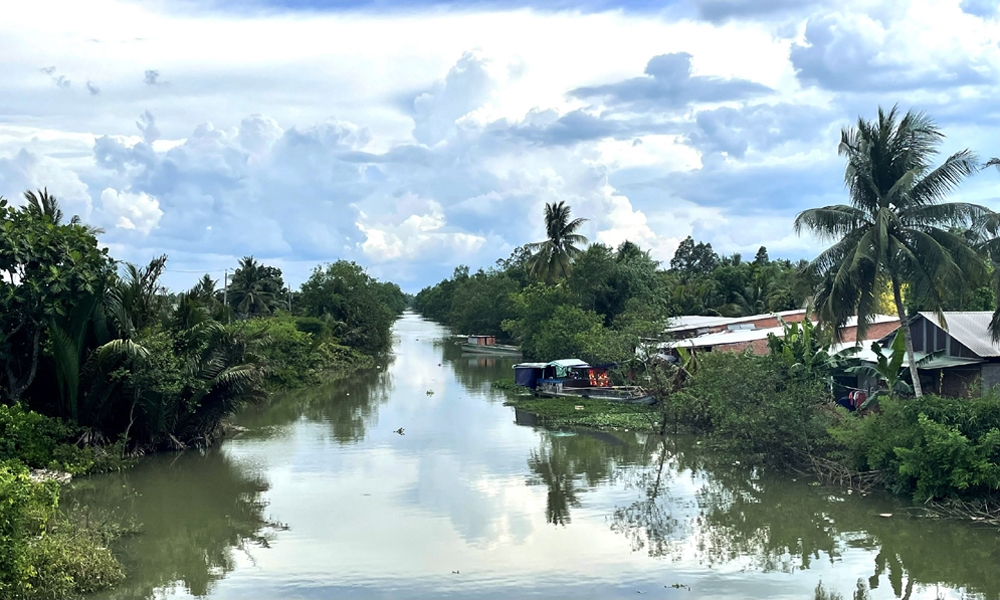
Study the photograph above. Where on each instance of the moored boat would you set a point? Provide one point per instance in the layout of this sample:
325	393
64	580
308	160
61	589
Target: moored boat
487	344
572	378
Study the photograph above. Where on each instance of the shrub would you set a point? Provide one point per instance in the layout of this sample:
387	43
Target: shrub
41	442
752	407
42	556
930	447
30	437
300	350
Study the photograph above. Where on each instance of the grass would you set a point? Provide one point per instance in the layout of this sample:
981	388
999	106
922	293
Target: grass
598	414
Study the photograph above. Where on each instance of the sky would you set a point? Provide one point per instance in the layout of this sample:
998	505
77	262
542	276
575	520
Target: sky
411	137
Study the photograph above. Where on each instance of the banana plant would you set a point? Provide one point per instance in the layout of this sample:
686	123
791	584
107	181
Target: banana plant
889	370
805	347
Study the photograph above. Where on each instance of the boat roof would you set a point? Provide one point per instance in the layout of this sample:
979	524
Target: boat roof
566	363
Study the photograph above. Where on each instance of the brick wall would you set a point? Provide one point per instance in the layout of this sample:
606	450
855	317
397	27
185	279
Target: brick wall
875	331
848	334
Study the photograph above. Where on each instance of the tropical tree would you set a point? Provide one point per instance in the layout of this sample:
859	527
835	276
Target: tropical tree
553	258
896	229
255	289
47	269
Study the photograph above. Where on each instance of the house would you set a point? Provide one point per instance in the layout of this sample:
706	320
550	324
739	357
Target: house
689	326
967	349
752	332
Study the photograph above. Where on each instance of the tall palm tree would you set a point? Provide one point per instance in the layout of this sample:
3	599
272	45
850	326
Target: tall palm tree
255	288
553	258
896	229
989	244
44	204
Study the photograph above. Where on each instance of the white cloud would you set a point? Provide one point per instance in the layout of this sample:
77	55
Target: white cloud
27	170
414	141
415	235
137	212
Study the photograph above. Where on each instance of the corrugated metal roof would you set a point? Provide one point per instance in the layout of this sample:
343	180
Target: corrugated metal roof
971	328
685	322
751	335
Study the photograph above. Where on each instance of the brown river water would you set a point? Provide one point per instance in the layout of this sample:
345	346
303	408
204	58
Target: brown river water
321	498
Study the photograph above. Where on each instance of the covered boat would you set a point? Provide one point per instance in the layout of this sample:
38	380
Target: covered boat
573	378
487	344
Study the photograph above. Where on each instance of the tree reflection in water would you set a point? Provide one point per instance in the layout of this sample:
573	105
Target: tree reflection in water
195	512
348	405
571	462
476	371
780	524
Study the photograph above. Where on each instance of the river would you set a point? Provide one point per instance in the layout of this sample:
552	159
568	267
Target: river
320	497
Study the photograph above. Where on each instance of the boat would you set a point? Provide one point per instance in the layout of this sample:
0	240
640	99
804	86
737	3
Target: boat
573	378
487	344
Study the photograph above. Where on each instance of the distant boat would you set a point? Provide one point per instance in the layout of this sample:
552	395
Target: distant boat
572	378
487	344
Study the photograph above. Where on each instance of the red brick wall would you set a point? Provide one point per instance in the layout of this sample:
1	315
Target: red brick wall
848	334
876	331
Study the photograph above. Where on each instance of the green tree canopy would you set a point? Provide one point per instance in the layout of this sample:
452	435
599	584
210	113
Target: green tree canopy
896	229
552	259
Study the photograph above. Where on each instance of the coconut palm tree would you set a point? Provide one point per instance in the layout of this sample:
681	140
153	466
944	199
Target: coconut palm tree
42	204
255	288
896	230
553	258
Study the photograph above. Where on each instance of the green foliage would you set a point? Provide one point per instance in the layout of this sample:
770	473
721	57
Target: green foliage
896	230
256	289
752	407
42	556
570	332
482	302
561	412
42	442
299	351
355	303
552	259
930	447
805	350
693	258
888	370
31	437
533	307
46	268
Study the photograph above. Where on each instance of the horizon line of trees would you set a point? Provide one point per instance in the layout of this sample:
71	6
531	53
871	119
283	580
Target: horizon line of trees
106	347
898	247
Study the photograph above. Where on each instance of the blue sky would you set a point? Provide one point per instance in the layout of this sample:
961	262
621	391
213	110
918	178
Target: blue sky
411	137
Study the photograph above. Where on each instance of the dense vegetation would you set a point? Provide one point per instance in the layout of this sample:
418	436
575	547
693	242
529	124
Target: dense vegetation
99	360
897	248
610	298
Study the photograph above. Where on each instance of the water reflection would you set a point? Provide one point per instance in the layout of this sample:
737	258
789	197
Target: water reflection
478	500
349	405
776	524
475	371
197	512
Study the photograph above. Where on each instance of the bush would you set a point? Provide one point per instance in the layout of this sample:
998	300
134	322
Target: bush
300	350
40	555
930	447
752	407
41	442
30	437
